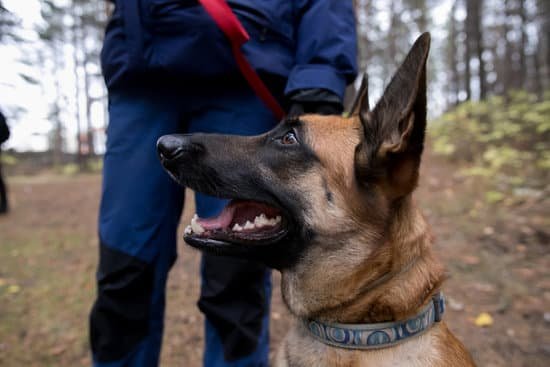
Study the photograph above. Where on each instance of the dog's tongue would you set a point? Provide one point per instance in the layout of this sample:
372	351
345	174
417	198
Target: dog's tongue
223	220
237	212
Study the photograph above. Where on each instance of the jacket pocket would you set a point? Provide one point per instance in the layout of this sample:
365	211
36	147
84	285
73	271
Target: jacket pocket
260	23
174	16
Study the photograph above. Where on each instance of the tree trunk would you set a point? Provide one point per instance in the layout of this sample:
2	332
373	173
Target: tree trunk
468	51
522	75
537	77
475	9
508	69
422	19
88	105
76	64
454	87
392	38
57	137
544	15
88	133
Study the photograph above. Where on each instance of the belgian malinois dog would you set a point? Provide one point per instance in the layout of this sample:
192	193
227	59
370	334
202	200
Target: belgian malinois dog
327	200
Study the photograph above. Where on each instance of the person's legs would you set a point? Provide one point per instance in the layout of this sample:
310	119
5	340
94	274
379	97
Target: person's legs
3	193
139	213
235	293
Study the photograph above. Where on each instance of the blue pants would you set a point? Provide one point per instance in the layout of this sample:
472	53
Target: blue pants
139	214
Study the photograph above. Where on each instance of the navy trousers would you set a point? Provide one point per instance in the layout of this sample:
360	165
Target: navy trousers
139	214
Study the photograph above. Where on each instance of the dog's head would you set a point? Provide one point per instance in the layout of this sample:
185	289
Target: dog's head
314	188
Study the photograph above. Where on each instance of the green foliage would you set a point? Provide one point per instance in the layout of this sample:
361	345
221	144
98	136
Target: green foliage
505	140
69	169
95	165
8	159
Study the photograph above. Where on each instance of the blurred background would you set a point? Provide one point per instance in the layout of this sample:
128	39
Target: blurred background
484	185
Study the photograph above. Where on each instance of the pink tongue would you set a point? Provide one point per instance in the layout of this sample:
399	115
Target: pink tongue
221	221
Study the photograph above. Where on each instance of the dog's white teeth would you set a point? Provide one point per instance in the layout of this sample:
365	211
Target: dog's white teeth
188	230
274	221
261	220
195	226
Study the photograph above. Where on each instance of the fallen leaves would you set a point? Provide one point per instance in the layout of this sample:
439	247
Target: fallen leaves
484	320
10	289
14	288
454	304
470	259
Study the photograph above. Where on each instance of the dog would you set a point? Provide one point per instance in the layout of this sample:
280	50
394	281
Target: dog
327	200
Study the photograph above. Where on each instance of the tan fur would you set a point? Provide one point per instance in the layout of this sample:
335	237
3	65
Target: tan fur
360	240
352	246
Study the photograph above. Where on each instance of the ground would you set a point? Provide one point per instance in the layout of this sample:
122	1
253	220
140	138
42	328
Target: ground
497	256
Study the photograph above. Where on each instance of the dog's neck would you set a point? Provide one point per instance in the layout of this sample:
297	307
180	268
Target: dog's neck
397	279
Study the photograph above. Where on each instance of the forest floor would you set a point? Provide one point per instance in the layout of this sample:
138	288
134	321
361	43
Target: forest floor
497	256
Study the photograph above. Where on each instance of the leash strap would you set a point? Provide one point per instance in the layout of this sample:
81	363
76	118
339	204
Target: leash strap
230	25
379	335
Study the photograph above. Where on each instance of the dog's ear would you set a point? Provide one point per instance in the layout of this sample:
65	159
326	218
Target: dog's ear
394	130
361	101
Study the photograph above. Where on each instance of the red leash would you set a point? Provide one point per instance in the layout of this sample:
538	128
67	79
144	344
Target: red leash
228	22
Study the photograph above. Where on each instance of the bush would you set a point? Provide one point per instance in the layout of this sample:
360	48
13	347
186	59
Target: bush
505	140
8	159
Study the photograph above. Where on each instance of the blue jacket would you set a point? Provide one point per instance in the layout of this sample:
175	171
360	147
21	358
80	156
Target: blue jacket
309	43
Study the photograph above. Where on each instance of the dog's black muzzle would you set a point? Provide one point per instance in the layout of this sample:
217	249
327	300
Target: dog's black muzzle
173	148
213	165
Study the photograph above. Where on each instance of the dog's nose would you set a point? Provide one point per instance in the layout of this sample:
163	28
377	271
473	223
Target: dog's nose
170	146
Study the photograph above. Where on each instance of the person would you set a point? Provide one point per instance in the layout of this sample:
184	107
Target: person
4	136
169	69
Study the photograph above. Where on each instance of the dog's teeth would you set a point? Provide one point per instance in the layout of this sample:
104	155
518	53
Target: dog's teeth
195	226
237	227
248	225
274	221
260	221
188	230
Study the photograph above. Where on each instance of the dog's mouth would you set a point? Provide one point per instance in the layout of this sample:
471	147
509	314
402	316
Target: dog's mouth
242	222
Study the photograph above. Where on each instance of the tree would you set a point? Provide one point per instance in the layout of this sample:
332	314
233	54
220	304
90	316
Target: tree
475	41
89	20
7	23
544	43
453	87
468	51
52	35
79	24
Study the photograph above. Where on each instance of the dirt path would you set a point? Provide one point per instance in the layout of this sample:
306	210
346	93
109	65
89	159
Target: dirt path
498	262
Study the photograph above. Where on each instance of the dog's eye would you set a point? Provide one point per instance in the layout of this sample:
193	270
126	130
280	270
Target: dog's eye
289	138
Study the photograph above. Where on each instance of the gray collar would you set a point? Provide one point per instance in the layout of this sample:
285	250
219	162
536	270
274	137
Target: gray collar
379	335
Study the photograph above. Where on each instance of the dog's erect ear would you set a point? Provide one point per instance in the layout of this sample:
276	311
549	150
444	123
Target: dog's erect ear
394	130
361	102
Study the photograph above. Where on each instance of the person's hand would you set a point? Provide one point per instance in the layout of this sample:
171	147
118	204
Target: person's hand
318	101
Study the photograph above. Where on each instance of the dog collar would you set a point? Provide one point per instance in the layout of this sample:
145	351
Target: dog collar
378	335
